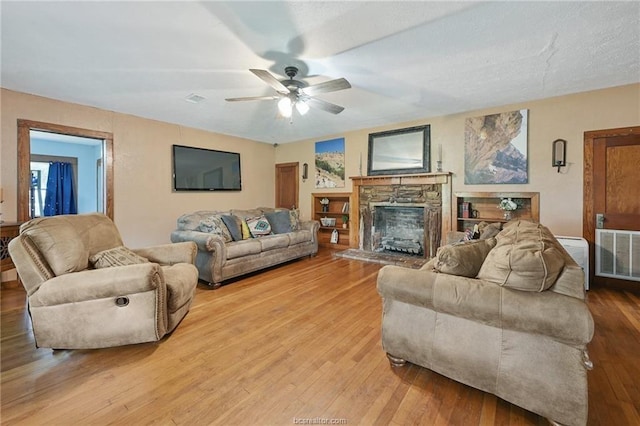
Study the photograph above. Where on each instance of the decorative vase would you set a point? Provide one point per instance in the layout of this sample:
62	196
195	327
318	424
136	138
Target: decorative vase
507	215
325	208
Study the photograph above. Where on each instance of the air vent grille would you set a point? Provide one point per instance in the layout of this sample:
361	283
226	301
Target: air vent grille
618	254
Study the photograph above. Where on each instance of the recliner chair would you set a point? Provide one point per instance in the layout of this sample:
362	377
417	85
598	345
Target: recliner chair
85	290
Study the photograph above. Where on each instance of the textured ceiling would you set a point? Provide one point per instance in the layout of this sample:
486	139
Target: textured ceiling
404	60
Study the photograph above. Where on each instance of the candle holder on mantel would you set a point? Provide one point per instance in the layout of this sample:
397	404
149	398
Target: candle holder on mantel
438	166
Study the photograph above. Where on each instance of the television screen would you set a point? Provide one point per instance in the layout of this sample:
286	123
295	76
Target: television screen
199	169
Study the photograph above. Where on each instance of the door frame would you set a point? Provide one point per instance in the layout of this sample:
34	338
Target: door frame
588	210
24	155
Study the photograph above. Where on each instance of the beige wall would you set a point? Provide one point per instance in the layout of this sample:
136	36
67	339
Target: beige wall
565	117
145	208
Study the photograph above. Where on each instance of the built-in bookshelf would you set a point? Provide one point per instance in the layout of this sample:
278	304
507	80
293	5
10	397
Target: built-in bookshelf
331	209
475	207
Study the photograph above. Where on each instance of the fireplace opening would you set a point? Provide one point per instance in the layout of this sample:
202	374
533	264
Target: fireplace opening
399	229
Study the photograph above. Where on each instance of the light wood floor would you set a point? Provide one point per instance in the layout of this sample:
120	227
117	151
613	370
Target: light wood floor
301	341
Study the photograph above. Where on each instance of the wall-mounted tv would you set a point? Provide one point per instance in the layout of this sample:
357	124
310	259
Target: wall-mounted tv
199	169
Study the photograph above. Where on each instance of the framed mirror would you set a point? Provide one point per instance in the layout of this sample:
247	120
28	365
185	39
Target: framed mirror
403	151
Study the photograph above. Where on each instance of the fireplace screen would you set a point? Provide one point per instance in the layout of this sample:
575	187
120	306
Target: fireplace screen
399	229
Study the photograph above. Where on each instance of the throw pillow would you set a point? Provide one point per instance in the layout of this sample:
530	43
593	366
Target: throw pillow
246	234
490	230
294	216
258	226
526	257
280	221
464	258
215	225
234	225
117	256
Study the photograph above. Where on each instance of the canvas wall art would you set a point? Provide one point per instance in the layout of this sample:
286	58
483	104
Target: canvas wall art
495	149
330	163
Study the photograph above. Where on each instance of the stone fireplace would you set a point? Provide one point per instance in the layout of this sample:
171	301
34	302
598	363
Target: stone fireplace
406	214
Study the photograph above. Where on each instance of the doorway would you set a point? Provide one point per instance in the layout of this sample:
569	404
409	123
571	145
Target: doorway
49	137
611	214
287	185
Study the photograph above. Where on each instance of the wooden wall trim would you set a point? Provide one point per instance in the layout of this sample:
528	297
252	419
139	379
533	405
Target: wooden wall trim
24	154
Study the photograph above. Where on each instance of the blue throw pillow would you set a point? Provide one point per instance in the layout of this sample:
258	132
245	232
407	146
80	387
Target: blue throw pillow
234	226
279	221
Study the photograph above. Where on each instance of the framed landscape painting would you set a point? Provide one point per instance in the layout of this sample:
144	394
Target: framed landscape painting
495	148
330	163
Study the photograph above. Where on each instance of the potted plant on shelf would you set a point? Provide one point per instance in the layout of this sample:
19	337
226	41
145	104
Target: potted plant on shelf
507	205
345	221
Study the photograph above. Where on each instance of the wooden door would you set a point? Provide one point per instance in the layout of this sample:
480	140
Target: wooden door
612	206
287	185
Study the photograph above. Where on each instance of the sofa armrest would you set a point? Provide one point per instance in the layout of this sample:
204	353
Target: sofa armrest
170	254
313	226
94	284
204	241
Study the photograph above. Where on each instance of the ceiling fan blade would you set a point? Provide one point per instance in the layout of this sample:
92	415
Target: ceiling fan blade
327	86
253	98
324	105
268	78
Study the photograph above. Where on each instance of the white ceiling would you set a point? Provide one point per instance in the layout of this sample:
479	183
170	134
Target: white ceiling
404	60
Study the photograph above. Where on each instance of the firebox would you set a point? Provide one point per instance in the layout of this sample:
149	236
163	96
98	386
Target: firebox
398	229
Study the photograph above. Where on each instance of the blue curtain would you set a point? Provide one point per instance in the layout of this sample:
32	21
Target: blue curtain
60	197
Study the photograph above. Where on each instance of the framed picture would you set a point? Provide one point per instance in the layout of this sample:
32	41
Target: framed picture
330	163
403	151
495	148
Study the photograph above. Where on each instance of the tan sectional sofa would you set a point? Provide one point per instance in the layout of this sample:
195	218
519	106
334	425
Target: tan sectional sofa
222	256
506	315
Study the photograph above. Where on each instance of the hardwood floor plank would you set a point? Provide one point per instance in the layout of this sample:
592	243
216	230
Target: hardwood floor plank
298	341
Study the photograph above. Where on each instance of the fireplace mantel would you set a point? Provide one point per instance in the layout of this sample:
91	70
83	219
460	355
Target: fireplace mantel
443	179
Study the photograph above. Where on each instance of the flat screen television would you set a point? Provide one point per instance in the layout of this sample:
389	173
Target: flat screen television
199	169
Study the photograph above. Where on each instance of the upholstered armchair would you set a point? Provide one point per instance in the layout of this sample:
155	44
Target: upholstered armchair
86	290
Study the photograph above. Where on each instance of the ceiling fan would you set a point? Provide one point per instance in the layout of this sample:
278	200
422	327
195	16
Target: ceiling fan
297	93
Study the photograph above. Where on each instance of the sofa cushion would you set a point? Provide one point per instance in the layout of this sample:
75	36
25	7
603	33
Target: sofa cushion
234	225
215	225
525	257
464	258
258	226
274	241
117	256
243	248
280	221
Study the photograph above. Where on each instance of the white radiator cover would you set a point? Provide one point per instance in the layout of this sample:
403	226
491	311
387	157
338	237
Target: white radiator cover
618	254
578	249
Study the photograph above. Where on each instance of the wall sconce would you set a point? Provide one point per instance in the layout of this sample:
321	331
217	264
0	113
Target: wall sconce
559	153
305	172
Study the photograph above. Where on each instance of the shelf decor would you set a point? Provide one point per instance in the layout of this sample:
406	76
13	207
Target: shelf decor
507	205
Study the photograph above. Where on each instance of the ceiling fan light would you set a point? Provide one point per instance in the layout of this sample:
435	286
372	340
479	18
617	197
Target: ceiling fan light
302	107
285	107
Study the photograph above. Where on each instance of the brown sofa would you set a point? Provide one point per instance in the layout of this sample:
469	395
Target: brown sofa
86	290
505	315
222	256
